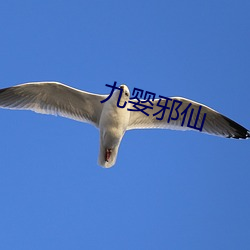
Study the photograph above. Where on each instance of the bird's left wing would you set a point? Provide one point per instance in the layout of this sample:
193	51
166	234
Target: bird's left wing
181	117
54	98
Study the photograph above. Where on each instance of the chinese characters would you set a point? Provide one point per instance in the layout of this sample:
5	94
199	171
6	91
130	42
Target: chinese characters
165	103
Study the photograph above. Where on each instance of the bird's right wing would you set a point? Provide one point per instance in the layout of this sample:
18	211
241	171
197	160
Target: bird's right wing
54	98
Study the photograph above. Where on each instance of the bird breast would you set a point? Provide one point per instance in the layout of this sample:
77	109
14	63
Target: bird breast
113	121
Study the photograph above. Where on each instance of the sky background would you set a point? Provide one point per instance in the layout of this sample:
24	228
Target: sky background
168	189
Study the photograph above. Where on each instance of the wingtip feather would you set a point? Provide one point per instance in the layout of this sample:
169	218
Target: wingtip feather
239	131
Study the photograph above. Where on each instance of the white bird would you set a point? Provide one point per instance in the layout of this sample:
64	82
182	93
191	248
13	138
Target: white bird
58	99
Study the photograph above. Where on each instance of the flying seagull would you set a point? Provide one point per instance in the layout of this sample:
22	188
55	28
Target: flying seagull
55	98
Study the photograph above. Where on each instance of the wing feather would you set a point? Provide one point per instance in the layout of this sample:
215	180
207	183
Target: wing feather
54	98
215	123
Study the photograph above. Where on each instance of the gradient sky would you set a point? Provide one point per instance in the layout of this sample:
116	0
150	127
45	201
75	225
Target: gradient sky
169	189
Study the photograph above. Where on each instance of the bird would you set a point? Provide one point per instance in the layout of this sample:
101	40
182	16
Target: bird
107	113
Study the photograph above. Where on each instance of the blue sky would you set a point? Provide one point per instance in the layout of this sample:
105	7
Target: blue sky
169	189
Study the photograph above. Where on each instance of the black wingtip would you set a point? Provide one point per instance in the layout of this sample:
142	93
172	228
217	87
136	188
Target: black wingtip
248	135
3	90
239	131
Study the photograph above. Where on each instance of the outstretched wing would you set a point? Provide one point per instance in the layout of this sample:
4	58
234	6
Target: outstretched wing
214	123
55	99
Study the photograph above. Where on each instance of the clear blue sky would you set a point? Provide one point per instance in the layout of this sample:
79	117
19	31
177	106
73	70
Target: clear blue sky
169	189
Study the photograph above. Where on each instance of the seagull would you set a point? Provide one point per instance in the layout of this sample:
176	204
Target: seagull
111	119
